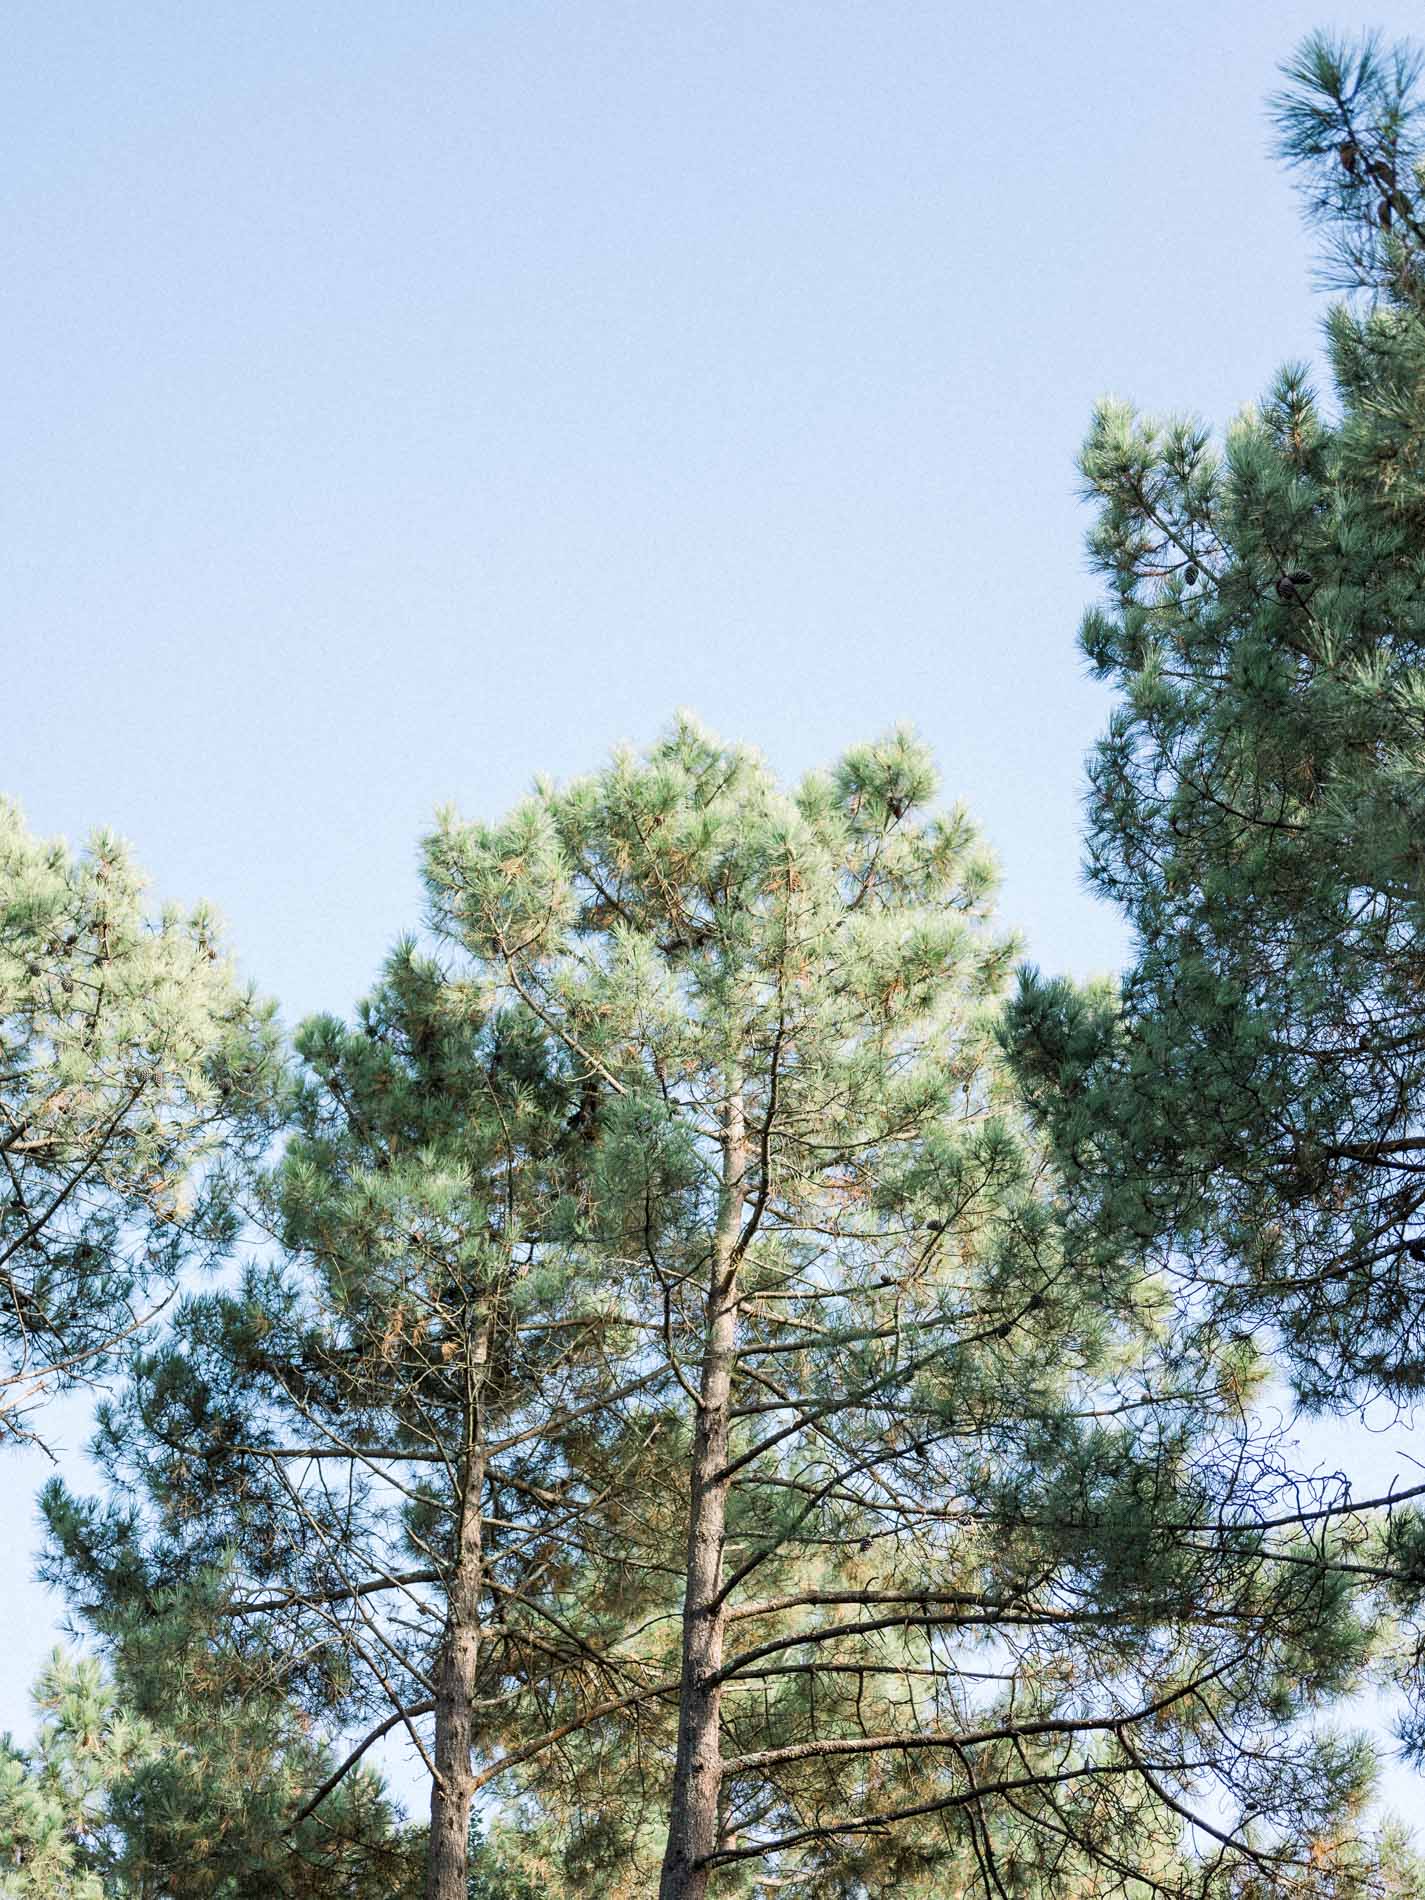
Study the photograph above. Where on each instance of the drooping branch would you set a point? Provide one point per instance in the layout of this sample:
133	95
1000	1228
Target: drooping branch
338	1775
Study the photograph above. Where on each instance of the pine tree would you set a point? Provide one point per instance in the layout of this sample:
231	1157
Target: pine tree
56	1835
673	1407
1248	1108
1252	1101
917	1447
131	1063
368	1476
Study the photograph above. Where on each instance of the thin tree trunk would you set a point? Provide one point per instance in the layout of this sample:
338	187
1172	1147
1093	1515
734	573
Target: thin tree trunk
448	1853
697	1775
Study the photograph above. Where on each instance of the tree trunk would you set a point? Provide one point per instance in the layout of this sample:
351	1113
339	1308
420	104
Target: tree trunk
697	1774
448	1853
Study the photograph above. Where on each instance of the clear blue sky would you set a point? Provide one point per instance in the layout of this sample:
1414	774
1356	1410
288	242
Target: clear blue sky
400	399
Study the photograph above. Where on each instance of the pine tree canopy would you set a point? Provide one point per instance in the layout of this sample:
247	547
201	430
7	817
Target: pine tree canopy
1251	1105
54	1841
132	1063
672	1407
142	1787
349	1465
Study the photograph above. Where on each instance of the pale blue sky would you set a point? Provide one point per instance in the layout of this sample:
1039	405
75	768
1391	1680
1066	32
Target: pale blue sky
403	398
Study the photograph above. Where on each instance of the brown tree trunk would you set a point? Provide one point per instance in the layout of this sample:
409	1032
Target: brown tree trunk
697	1774
448	1853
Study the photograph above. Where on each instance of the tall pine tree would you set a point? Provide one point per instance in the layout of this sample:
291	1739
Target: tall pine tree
383	1476
1253	1098
1249	1108
952	1552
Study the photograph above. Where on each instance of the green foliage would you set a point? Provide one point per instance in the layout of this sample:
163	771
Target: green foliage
290	1469
150	1786
209	1813
132	1064
1247	1112
1348	123
505	1867
1250	1107
57	1835
929	1533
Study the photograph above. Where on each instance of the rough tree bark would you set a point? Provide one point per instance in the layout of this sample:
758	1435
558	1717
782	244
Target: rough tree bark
447	1859
697	1774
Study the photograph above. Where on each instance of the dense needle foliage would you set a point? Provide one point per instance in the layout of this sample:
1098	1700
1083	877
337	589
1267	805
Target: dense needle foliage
134	1069
1253	1099
953	1506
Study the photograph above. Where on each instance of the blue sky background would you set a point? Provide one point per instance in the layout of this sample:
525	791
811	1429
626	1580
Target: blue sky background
400	399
